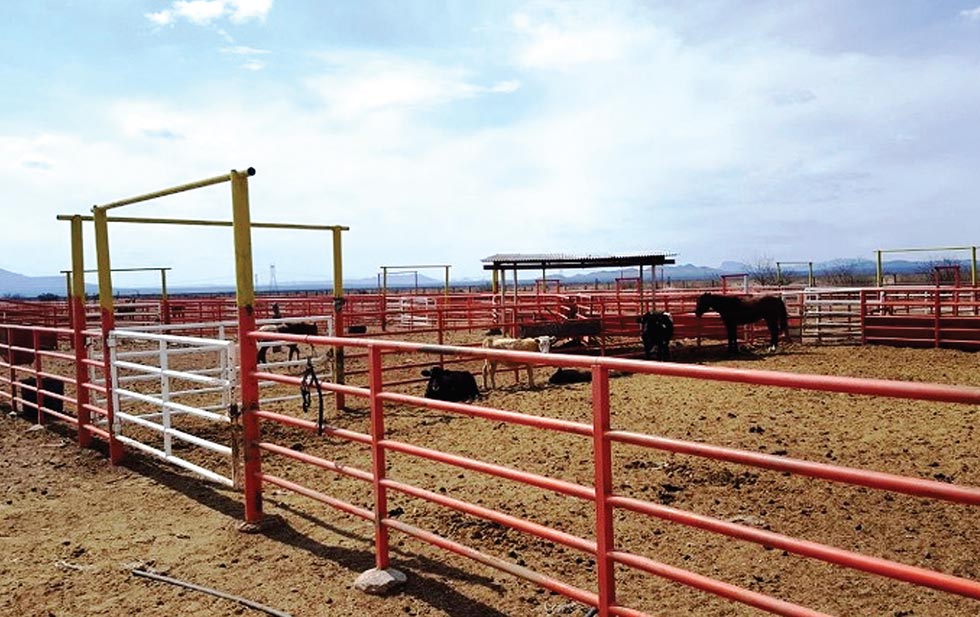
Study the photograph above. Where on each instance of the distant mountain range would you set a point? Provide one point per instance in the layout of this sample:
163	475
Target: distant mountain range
19	285
13	285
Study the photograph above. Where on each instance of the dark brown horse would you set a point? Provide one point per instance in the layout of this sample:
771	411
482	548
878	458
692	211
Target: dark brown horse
735	311
287	328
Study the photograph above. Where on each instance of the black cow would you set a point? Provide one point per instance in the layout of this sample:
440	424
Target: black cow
454	386
656	329
25	340
49	386
570	375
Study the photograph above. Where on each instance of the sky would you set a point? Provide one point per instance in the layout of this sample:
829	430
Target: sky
442	132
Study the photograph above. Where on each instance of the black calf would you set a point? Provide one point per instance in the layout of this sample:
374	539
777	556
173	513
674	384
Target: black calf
454	386
656	330
570	375
28	392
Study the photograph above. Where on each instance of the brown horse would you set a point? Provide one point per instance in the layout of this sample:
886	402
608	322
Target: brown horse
735	311
287	328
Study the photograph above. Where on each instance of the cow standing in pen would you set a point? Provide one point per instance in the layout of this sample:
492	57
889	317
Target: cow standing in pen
540	344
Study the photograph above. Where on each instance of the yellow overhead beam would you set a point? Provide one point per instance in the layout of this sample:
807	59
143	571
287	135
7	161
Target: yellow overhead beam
204	222
171	190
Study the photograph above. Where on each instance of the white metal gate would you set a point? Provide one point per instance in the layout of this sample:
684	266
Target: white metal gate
148	378
831	315
411	311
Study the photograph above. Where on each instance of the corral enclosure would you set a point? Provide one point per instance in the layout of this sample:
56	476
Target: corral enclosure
69	540
739	485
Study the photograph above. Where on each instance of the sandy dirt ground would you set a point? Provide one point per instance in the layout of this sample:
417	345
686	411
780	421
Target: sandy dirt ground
72	527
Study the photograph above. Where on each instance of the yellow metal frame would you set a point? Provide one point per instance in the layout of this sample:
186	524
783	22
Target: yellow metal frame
779	271
385	269
245	292
973	259
163	271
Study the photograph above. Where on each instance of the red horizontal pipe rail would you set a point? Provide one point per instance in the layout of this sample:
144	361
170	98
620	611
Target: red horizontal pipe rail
715	587
55	354
18	348
101	389
309	425
61	378
541	531
500	471
823	552
60	415
97	431
61	397
318	496
541	580
405	367
316	461
65	332
489	413
289	380
96	410
848	475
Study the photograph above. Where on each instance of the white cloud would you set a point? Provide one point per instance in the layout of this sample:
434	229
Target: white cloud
242	50
573	38
204	12
504	87
971	14
243	10
161	18
200	12
141	119
361	83
253	65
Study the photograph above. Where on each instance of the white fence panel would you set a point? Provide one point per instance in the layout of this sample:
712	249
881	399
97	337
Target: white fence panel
207	373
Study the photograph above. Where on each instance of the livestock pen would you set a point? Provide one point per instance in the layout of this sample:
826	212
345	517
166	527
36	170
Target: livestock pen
407	470
691	487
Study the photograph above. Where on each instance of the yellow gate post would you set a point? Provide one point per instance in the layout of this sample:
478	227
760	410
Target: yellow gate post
245	301
338	313
108	320
76	307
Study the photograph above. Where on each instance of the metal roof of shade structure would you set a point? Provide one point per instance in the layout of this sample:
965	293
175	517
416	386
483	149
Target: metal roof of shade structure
538	261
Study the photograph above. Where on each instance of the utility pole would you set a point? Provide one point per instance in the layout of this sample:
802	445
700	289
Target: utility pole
273	284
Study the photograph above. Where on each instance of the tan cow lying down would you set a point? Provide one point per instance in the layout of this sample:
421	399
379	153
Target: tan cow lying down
541	344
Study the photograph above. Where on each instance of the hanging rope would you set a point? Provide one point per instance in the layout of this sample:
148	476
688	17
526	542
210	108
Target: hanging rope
310	379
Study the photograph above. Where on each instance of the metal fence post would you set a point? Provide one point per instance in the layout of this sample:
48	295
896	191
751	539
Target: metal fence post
245	300
602	453
378	458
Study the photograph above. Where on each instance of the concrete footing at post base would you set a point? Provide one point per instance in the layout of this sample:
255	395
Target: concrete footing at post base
379	582
267	523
